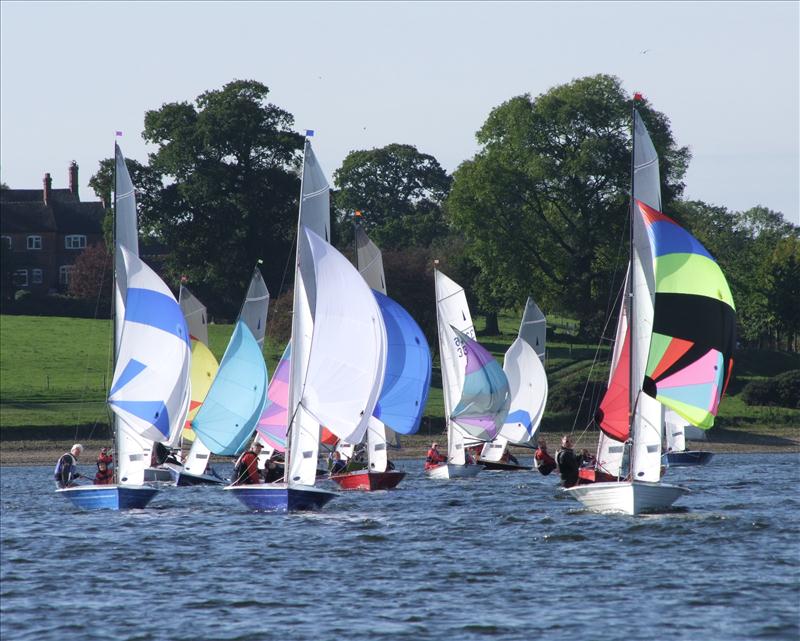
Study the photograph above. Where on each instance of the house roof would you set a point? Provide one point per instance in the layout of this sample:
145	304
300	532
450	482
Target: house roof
64	214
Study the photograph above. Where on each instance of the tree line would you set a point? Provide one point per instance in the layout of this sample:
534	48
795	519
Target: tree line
541	209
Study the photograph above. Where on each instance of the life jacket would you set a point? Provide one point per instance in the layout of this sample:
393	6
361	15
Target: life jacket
103	477
105	458
241	472
66	460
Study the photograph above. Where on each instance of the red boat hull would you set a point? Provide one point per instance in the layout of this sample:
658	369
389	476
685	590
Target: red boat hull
368	481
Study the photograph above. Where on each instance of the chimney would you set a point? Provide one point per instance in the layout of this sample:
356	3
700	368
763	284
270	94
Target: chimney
73	179
48	184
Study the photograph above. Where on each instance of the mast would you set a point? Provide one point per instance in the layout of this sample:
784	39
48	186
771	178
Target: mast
631	319
114	419
294	358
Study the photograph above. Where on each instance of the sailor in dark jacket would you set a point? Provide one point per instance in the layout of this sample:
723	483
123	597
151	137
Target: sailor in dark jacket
66	472
568	463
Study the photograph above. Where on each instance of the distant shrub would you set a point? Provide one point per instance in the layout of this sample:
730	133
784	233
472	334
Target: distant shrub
781	391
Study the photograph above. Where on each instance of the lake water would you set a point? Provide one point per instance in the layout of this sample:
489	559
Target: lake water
501	556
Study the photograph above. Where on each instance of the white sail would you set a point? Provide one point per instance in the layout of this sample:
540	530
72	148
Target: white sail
132	451
528	382
376	445
675	431
303	431
646	427
346	364
452	311
151	377
315	199
255	307
533	329
369	261
195	314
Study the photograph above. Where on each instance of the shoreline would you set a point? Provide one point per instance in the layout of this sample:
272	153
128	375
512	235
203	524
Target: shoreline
786	440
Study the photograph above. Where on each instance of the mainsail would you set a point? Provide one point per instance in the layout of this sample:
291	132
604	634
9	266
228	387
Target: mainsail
533	329
338	354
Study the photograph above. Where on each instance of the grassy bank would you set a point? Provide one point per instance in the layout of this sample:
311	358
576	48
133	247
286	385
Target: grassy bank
54	373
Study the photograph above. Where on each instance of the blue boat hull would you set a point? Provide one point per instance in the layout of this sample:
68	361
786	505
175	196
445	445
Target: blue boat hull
278	497
109	497
686	459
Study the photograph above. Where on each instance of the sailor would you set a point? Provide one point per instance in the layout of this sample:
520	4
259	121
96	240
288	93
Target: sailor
66	471
568	463
542	459
433	457
246	468
104	476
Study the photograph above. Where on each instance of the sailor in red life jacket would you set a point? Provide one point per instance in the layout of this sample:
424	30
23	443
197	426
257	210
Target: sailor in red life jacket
433	457
104	476
246	469
542	459
105	457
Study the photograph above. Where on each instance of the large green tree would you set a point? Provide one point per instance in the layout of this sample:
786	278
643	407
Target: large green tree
228	165
744	244
399	192
544	203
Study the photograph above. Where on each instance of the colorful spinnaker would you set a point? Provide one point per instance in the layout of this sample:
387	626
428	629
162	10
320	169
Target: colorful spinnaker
274	419
694	325
485	395
229	414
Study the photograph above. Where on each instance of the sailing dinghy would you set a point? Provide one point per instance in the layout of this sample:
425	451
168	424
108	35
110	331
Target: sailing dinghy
338	354
242	392
227	418
524	368
679	345
150	389
476	390
406	382
675	432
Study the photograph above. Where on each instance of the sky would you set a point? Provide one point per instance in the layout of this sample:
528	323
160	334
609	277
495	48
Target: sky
367	74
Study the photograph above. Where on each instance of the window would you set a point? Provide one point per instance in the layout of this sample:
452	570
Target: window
75	241
20	278
34	242
6	242
64	273
37	276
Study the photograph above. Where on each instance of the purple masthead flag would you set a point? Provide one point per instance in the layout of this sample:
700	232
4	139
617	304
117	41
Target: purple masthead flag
309	133
118	133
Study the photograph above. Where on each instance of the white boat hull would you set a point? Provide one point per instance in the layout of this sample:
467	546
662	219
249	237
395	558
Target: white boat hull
627	497
450	471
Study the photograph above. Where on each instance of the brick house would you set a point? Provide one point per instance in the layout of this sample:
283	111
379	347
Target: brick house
45	230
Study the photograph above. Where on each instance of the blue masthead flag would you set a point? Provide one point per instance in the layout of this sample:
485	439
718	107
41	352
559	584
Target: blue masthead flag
309	133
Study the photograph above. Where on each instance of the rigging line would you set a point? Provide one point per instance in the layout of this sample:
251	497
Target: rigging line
591	370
